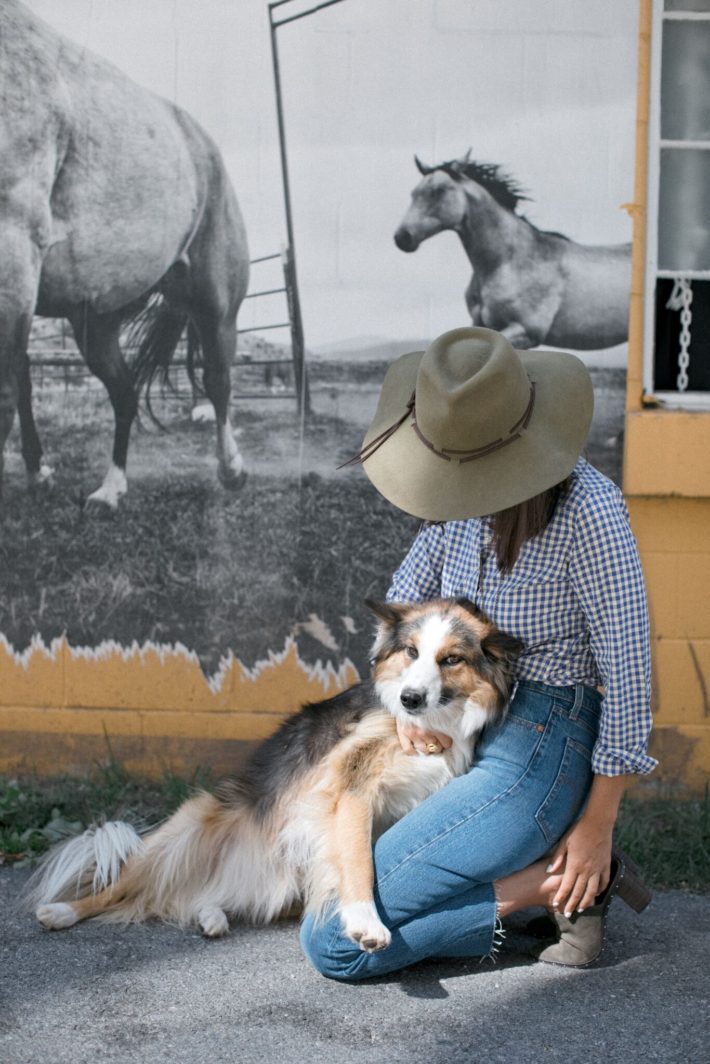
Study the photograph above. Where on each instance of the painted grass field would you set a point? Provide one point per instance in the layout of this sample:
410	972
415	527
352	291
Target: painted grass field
183	560
294	553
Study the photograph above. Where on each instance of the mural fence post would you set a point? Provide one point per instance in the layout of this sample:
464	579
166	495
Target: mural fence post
300	371
294	302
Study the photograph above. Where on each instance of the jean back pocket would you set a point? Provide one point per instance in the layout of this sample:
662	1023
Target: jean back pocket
568	791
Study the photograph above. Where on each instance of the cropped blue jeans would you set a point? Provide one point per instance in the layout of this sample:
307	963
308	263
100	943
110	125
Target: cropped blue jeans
435	868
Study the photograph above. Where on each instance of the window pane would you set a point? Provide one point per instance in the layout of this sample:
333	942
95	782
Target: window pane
687	5
684	210
685	81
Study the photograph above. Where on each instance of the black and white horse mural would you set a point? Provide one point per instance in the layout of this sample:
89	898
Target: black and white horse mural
126	127
534	286
110	197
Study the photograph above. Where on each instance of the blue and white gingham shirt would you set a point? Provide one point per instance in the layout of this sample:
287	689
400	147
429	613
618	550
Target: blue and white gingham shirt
575	597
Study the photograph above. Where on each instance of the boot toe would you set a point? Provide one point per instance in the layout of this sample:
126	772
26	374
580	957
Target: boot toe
565	954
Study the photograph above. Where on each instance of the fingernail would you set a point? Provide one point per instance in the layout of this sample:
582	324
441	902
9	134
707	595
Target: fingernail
549	868
580	910
568	915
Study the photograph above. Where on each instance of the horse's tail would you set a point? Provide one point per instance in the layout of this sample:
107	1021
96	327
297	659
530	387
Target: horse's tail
153	335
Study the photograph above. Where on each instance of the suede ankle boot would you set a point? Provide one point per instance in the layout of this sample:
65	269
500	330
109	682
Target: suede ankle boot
581	936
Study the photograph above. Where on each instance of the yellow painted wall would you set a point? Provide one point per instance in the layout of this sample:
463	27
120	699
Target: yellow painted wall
62	709
667	485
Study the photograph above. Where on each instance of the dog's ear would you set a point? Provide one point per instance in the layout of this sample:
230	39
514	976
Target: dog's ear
473	609
500	647
389	613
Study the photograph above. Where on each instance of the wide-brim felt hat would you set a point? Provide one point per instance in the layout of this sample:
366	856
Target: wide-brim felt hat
471	426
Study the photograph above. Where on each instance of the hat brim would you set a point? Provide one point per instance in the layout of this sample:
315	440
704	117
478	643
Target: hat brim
423	484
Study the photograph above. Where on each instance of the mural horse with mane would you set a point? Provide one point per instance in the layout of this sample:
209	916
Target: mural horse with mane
114	203
535	287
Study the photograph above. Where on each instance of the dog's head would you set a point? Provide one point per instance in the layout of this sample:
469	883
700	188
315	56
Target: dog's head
442	664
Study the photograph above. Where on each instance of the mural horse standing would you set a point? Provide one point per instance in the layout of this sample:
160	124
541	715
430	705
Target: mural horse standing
535	287
113	203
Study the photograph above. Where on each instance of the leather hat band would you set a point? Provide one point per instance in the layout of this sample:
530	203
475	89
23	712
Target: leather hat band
447	453
451	455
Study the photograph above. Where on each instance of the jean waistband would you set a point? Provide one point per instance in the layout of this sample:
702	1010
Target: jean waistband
573	697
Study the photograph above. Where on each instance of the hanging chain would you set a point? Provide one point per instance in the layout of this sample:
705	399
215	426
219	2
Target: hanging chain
681	299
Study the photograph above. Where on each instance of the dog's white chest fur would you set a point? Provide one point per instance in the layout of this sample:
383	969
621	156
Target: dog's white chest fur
412	779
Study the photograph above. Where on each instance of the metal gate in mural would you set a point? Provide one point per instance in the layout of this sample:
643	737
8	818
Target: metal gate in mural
178	599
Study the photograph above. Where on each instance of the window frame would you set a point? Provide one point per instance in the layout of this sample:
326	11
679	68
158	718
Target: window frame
688	400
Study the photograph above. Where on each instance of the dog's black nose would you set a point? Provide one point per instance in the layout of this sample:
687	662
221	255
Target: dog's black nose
412	700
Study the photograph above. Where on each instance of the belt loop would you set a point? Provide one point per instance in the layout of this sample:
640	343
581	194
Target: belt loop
578	699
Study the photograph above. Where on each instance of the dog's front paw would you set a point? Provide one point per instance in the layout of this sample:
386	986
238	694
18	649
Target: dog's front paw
213	922
363	926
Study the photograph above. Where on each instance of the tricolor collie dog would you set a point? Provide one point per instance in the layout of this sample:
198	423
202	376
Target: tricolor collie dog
296	827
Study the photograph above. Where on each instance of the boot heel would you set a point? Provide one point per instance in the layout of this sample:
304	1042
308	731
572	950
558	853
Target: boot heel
633	891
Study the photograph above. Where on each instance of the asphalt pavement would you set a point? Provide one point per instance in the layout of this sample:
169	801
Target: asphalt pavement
153	994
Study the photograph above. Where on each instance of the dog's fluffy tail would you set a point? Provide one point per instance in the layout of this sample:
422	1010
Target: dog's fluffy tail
84	865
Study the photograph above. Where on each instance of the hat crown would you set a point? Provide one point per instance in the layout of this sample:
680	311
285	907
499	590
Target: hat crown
471	389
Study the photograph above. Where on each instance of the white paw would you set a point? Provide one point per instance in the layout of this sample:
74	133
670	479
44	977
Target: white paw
363	926
57	915
213	922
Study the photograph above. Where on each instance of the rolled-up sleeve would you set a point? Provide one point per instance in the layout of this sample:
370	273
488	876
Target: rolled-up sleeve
418	578
605	571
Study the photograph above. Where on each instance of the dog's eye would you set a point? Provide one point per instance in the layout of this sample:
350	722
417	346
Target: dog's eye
411	652
452	660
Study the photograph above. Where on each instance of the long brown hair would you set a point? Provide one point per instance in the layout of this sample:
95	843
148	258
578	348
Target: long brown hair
512	527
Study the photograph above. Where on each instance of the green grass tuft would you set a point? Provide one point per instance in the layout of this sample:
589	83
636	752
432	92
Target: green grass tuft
669	840
35	813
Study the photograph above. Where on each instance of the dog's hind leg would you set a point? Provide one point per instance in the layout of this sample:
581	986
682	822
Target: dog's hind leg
213	921
56	916
351	849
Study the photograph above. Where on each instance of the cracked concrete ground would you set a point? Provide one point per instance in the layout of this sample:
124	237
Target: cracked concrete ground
156	995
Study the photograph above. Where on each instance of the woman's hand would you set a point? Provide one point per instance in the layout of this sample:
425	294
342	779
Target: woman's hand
584	858
584	854
415	740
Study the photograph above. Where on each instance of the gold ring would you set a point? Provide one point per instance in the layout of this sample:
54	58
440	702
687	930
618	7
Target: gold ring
433	748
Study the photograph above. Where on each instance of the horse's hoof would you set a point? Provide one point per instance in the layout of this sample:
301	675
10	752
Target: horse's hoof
42	478
230	480
106	498
203	414
98	505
